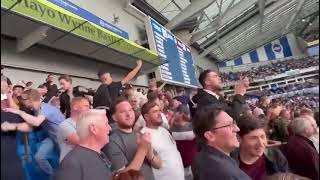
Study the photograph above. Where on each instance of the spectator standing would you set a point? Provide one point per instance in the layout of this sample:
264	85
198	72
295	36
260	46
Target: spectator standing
68	137
216	133
49	118
302	156
122	146
163	143
182	133
209	95
253	157
86	161
108	91
51	87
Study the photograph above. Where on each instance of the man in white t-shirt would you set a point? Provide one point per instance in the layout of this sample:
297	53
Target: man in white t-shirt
163	143
68	137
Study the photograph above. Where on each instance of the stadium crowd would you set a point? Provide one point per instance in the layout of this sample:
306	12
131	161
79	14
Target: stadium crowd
117	132
272	69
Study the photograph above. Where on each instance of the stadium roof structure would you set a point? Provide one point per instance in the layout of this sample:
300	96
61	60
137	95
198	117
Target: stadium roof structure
226	29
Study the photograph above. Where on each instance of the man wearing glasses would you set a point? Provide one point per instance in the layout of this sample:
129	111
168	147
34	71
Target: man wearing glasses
216	133
210	94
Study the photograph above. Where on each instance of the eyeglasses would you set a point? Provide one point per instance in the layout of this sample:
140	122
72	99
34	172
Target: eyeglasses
231	125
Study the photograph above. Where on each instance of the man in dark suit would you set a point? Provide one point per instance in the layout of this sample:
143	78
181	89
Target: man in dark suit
210	94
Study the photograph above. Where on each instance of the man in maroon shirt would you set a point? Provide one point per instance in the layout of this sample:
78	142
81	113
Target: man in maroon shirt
253	157
182	133
302	156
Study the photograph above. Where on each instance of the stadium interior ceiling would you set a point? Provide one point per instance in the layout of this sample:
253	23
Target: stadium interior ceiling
225	29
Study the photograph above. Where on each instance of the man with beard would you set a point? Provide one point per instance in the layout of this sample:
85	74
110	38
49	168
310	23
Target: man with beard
123	141
210	94
163	143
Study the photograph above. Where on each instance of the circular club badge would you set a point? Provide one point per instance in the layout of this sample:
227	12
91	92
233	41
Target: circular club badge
277	48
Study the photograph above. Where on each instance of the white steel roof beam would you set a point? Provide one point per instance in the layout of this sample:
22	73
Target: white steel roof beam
196	7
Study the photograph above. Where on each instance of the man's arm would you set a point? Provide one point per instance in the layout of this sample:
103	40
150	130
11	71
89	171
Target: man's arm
144	145
32	120
154	159
133	73
23	127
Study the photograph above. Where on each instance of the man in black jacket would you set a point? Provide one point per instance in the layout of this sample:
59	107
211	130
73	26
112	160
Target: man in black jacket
69	93
210	94
51	87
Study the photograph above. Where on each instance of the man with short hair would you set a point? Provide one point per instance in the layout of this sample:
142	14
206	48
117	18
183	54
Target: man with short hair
109	90
51	87
68	137
216	133
122	146
302	156
163	144
86	161
182	133
309	115
210	94
49	118
70	92
253	157
43	91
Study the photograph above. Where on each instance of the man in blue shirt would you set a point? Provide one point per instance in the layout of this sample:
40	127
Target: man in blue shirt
49	118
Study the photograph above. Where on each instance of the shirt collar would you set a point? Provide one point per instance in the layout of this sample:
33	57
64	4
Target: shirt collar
212	93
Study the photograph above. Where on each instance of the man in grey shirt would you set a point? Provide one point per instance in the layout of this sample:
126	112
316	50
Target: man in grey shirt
123	141
68	137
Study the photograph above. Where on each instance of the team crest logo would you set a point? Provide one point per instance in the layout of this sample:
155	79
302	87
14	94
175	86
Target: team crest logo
277	48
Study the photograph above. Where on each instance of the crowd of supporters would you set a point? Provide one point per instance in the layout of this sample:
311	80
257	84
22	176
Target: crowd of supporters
272	69
118	132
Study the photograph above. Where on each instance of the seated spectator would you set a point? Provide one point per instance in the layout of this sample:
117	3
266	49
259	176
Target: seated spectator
183	134
253	157
68	137
302	156
216	133
163	143
49	118
122	146
86	161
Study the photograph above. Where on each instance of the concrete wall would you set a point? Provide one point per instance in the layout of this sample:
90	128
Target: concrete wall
44	60
105	9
